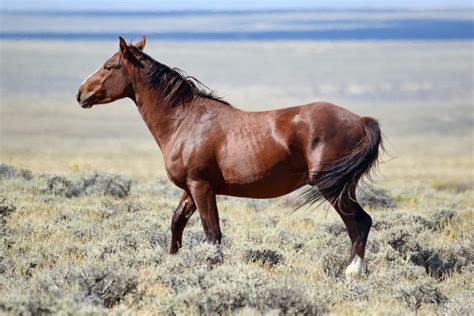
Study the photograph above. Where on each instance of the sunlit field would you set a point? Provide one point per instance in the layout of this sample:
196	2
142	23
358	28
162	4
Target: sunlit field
421	92
85	205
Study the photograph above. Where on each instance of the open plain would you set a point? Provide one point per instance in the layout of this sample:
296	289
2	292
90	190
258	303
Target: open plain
85	204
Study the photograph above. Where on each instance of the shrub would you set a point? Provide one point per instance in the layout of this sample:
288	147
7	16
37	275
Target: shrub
433	263
228	289
287	300
334	253
5	207
414	297
455	186
440	268
336	228
88	184
103	283
105	286
403	242
374	198
265	257
8	172
443	217
58	185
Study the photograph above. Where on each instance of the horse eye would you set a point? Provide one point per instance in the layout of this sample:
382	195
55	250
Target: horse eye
107	67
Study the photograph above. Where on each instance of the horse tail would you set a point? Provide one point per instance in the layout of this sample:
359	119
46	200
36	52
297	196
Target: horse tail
337	181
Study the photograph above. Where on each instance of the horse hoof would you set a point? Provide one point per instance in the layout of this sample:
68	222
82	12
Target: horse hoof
173	250
355	269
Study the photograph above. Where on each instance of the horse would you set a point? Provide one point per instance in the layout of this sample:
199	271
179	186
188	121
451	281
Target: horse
211	148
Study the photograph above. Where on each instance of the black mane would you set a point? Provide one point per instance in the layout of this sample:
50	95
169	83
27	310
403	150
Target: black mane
175	87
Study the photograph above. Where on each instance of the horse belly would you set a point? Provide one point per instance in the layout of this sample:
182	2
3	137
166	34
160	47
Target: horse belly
264	175
269	186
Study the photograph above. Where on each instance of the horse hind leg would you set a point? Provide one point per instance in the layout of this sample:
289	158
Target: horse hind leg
358	224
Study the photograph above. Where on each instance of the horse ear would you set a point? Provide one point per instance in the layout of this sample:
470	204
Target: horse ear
127	53
123	47
141	43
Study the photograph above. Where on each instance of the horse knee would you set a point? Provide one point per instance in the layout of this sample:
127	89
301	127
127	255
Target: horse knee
180	215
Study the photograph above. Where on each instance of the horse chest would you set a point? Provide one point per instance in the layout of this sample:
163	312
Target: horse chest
177	178
174	167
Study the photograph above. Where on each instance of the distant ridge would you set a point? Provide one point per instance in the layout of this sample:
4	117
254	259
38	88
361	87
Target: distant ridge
239	25
403	30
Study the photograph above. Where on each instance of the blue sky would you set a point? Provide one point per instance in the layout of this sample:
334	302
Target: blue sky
222	5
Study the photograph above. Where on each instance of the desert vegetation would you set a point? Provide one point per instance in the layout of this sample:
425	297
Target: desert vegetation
92	243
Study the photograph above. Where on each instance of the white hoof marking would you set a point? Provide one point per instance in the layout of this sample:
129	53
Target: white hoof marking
355	268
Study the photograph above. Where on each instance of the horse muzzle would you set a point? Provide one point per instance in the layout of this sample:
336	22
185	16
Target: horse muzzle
84	100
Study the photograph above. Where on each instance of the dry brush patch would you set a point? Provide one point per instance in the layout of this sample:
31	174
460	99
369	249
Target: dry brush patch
72	244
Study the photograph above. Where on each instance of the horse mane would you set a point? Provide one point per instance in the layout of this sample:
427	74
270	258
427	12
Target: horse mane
173	85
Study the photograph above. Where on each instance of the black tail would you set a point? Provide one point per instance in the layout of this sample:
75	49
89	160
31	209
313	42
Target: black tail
334	182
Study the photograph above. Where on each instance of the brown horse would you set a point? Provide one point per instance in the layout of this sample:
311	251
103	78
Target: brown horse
210	147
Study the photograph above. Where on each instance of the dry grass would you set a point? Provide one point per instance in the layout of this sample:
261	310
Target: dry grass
98	252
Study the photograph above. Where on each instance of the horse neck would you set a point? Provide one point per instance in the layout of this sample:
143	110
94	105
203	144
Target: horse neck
161	119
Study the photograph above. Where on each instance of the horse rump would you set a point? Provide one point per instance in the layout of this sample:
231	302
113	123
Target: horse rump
338	180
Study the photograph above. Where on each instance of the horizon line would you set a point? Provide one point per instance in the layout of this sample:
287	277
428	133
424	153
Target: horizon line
232	11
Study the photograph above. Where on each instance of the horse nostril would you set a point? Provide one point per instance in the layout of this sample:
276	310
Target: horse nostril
78	96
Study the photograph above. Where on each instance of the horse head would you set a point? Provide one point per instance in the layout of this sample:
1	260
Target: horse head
111	81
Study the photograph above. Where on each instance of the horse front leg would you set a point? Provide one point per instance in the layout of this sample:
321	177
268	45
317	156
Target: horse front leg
205	199
182	214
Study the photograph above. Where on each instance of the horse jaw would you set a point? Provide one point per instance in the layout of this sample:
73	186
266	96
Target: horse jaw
355	268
